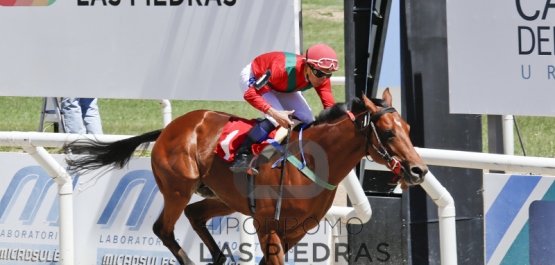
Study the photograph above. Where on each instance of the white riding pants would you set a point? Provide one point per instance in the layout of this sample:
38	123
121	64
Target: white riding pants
280	100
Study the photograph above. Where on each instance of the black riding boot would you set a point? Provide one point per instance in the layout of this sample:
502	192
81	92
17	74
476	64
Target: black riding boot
258	133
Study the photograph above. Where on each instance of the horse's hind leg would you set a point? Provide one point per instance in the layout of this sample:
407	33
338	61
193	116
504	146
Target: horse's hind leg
198	214
174	203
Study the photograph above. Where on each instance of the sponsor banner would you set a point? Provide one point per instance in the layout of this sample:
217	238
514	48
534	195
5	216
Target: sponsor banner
113	218
26	2
501	57
520	212
147	49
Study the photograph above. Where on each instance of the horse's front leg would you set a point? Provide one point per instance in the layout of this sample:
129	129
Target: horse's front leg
270	242
198	214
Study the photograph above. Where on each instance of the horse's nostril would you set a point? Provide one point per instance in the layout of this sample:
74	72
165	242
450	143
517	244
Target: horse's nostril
417	171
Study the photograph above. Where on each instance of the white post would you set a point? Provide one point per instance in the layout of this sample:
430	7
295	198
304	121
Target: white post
508	135
65	202
65	192
361	212
166	111
358	197
297	9
446	214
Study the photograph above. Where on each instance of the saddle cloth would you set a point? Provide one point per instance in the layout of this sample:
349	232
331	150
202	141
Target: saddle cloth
233	136
235	133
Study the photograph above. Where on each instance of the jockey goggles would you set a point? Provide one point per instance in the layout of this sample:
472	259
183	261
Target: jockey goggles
319	73
325	63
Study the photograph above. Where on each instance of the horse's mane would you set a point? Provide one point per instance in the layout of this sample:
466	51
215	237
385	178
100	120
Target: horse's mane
336	111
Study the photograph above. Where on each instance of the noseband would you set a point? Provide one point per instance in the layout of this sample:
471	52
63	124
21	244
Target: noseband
369	120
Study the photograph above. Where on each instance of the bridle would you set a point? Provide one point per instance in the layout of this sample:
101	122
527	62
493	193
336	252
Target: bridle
368	120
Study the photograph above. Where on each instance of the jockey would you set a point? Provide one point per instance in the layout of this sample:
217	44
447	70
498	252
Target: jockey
281	96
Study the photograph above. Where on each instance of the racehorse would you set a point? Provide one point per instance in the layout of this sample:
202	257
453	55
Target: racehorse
184	163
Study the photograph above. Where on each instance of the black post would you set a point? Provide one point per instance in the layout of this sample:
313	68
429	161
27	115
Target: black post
365	33
425	86
349	31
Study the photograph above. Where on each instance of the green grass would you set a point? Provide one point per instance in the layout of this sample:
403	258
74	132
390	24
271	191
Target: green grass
536	133
322	22
538	136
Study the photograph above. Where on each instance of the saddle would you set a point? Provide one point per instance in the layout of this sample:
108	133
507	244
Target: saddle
232	138
281	132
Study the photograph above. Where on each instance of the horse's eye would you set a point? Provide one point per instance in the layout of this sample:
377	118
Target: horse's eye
388	134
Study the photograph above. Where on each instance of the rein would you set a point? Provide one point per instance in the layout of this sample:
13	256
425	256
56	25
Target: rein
369	120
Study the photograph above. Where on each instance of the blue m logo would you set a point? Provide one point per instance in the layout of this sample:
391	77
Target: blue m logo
43	182
125	186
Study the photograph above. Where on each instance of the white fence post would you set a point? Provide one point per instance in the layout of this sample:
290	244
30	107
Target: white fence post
446	214
65	202
166	111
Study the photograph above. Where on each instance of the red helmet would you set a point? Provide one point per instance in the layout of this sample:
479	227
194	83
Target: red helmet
322	56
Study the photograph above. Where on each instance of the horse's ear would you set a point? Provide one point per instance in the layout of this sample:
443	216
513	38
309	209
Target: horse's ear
386	96
369	104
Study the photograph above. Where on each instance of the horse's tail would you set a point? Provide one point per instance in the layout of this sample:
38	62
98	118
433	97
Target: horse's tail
100	154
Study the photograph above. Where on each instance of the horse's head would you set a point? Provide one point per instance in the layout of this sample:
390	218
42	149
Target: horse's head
389	142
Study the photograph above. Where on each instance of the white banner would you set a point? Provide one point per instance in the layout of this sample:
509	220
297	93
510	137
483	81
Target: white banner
149	49
113	218
501	57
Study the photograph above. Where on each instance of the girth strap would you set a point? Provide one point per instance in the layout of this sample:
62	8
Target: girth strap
310	174
300	166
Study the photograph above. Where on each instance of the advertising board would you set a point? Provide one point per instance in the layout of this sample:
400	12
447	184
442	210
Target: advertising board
501	57
138	49
519	215
113	218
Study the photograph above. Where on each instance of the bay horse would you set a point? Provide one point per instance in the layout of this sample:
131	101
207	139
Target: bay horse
184	163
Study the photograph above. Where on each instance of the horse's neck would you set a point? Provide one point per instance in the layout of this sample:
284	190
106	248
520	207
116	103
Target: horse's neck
343	145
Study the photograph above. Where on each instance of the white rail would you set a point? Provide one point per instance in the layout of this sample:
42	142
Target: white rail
446	205
33	143
337	80
56	140
529	164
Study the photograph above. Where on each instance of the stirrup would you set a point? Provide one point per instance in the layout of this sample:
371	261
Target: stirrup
242	165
